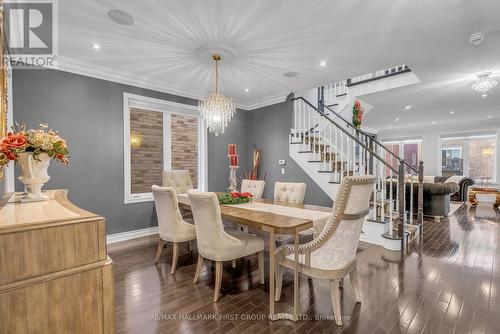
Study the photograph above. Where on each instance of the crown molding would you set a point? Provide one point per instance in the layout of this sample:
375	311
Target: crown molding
80	67
278	98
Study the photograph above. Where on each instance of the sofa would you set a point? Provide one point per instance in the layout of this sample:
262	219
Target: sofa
437	194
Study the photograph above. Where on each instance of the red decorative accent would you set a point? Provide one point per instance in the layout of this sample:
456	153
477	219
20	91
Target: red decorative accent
233	160
231	149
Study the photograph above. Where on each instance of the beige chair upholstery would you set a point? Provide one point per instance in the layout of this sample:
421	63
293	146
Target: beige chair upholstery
255	187
180	180
217	244
172	228
289	192
332	254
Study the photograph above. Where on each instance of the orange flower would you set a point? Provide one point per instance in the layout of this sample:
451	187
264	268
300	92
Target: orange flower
14	141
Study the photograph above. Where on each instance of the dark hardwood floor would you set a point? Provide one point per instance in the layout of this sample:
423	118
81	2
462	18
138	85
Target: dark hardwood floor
448	284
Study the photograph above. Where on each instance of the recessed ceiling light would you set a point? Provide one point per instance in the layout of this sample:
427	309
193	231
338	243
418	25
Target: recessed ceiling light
434	123
489	116
477	38
407	107
247	90
390	127
452	112
484	95
121	17
396	119
290	74
323	63
96	46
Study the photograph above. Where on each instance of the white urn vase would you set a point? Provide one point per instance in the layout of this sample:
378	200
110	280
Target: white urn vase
34	175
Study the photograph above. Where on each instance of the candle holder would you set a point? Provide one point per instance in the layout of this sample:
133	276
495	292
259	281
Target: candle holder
233	182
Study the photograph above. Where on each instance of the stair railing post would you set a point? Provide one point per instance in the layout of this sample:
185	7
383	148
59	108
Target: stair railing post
401	183
420	210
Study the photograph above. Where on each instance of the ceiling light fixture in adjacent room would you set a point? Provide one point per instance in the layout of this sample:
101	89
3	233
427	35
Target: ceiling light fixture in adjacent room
96	46
477	38
434	123
484	82
396	119
322	63
407	107
216	109
452	112
247	90
121	17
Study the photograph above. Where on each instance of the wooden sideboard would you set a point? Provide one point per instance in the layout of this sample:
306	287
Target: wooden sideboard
55	275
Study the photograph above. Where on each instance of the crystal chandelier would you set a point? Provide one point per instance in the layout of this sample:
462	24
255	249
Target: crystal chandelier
216	109
484	82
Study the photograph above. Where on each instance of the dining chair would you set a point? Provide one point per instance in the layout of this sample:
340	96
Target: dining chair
255	187
332	254
289	192
180	180
172	228
217	244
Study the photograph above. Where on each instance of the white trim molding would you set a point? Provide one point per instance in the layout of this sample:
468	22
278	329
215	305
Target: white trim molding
75	66
166	107
129	235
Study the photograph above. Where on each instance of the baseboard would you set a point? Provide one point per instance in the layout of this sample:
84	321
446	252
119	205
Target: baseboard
123	236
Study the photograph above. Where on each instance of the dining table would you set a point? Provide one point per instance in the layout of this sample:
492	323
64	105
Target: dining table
275	218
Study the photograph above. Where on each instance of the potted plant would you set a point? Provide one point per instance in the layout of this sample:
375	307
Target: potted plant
32	150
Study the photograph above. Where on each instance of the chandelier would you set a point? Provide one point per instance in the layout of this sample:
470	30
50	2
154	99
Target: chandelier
484	83
216	109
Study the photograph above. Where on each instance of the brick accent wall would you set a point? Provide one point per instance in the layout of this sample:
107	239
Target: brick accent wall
184	141
146	133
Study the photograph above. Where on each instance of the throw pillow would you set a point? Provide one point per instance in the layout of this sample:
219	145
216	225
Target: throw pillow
454	178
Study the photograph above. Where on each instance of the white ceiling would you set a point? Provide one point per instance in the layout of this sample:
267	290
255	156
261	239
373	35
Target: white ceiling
273	37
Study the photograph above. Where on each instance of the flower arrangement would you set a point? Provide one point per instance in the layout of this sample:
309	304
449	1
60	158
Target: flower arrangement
357	114
234	198
35	141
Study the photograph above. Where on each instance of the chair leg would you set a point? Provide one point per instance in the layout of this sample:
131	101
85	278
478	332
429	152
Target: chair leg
278	281
335	294
175	256
233	264
261	266
198	268
353	275
161	244
218	280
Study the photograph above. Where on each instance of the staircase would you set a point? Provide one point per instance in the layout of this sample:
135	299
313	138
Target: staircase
328	147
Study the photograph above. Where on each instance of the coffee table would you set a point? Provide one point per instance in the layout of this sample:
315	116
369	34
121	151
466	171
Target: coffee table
484	191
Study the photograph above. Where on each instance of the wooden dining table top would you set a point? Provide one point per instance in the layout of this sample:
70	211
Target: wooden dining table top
280	223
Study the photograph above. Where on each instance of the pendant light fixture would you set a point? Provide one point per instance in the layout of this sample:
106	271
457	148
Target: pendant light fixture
216	109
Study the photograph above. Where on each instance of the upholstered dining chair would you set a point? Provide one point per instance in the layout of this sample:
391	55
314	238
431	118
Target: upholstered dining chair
289	192
172	228
180	180
332	254
255	187
215	243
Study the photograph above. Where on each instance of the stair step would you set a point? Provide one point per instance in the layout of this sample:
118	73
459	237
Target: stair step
306	151
315	161
334	182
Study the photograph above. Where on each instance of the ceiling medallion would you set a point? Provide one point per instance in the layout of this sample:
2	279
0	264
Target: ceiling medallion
216	109
484	82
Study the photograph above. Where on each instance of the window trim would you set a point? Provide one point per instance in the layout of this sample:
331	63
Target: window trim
166	107
467	138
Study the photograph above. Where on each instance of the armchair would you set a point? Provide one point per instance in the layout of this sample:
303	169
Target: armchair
332	254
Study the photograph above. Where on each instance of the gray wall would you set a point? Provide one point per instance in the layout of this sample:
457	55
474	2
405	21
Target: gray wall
88	113
269	129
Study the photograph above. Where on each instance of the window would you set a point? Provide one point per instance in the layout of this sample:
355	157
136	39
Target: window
160	135
410	150
469	155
